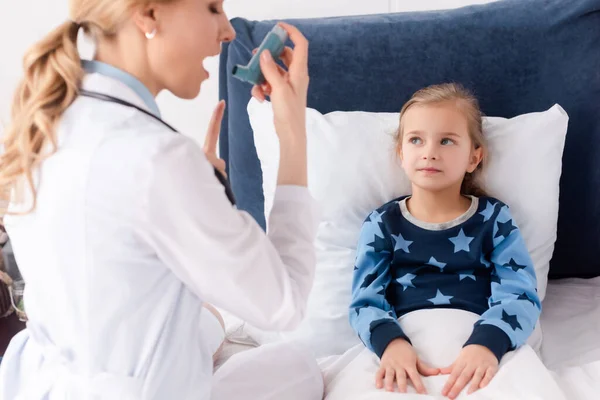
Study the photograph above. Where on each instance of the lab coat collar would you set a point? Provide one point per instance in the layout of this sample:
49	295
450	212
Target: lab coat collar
124	85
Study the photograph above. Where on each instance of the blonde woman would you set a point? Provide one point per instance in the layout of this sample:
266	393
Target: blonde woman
123	230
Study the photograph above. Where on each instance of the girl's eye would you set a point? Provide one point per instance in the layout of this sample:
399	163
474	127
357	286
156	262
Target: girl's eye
214	10
414	140
446	142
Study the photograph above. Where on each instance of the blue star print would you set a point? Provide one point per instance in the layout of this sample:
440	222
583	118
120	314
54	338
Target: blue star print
401	243
436	263
467	275
481	265
488	212
524	296
369	279
494	278
484	261
406	281
378	244
360	308
440	299
461	242
505	229
375	218
515	267
512	320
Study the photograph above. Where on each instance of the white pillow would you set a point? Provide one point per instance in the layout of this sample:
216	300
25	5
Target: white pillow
353	169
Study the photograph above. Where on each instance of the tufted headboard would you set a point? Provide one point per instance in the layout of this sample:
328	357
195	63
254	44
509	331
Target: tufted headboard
518	56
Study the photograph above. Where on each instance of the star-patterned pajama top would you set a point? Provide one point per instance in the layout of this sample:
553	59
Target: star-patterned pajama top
477	262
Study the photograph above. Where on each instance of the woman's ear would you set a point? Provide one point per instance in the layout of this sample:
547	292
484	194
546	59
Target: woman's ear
145	19
476	158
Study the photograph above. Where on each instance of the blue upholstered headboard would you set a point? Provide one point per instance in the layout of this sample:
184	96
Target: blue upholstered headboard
518	56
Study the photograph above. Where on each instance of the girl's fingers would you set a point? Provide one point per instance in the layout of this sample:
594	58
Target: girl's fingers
379	377
401	380
389	379
476	381
489	374
416	380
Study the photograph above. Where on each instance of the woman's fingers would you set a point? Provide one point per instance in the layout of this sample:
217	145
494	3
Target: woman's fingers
258	94
299	61
270	70
214	128
287	56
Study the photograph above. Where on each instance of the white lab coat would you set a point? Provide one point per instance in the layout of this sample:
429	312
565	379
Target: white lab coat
131	234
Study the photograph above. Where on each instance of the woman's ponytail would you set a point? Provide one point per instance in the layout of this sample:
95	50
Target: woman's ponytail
52	76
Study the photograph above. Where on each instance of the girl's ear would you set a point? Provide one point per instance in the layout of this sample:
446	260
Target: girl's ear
399	151
400	156
476	158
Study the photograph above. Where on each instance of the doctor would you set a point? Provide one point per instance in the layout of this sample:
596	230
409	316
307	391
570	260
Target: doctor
122	230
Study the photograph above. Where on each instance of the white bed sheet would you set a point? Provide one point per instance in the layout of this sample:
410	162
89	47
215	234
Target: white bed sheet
571	337
571	323
571	343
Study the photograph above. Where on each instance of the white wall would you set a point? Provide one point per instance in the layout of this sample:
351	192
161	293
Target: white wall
26	21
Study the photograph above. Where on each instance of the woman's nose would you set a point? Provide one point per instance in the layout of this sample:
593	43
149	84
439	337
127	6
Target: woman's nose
228	33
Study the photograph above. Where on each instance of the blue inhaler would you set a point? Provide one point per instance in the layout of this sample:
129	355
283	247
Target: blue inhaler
273	42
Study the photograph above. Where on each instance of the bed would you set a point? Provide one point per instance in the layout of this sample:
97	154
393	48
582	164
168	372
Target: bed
518	57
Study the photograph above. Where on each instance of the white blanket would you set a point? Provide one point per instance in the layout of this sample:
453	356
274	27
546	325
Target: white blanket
438	336
571	328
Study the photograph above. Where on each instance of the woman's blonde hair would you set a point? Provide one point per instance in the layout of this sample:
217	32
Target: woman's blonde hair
52	77
468	104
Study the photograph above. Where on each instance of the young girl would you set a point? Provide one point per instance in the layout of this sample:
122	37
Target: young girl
445	246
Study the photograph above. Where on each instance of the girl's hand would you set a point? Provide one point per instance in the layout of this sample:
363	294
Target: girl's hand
475	364
400	363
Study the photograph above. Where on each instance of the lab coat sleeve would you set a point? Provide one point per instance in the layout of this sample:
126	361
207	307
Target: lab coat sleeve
220	252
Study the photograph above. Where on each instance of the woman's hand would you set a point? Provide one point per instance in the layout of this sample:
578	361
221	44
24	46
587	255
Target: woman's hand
399	363
219	317
212	138
287	89
475	364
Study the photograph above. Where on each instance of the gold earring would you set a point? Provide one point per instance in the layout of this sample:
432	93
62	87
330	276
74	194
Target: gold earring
150	35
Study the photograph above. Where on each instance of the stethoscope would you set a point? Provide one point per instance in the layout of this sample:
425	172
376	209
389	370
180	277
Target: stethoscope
111	99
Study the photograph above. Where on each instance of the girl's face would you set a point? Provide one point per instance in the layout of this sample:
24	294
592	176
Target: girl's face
436	149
